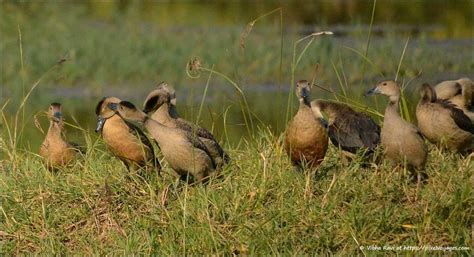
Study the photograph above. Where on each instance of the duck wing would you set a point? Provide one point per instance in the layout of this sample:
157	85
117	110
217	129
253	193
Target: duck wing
197	143
353	132
79	148
459	117
203	133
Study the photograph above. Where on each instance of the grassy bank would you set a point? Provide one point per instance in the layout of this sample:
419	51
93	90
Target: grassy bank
259	207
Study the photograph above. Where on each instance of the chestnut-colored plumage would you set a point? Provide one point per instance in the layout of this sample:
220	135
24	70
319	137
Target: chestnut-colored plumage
160	104
348	129
125	140
306	140
185	154
400	139
458	92
442	123
55	150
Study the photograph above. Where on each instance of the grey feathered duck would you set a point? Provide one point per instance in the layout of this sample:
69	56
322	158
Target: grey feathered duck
185	153
443	123
160	104
401	140
458	92
349	130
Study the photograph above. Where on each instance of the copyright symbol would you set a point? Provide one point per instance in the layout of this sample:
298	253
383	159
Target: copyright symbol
361	247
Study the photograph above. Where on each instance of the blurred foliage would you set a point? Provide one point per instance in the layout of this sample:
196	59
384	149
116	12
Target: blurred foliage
454	16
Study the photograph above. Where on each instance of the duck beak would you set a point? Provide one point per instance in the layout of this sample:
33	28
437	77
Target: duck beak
57	115
304	93
100	124
374	90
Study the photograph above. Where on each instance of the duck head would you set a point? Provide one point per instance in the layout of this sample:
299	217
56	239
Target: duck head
156	99
170	91
54	113
302	91
389	88
103	111
428	93
128	111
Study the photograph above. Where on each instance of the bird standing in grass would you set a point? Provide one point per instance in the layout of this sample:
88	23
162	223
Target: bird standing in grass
306	140
442	123
348	130
126	141
401	140
160	104
185	153
458	92
55	150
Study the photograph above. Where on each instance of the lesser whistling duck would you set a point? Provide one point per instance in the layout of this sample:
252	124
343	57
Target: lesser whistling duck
460	93
442	123
160	104
126	141
55	150
348	129
306	140
400	140
185	153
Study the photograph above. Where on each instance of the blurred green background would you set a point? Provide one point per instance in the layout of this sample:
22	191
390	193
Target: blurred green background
124	48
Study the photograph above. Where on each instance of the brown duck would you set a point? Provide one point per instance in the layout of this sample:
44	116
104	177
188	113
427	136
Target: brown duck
401	140
348	130
460	93
442	123
125	140
306	140
55	150
160	104
185	153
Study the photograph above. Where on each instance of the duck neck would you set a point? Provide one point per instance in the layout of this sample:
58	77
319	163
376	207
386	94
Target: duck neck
158	131
393	107
173	112
305	102
163	113
55	130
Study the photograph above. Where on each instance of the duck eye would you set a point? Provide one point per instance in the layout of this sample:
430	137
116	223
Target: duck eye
385	83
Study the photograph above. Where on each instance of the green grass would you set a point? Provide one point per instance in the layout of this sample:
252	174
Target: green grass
260	206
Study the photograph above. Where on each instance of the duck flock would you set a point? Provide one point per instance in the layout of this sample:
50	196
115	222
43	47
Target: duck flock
445	115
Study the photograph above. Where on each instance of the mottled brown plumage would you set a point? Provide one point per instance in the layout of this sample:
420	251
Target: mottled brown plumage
401	140
126	141
186	154
458	92
442	123
55	150
348	129
306	138
160	104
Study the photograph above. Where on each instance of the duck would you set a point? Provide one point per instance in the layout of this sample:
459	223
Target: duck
186	154
306	139
160	105
458	92
348	130
55	150
401	141
126	141
443	123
